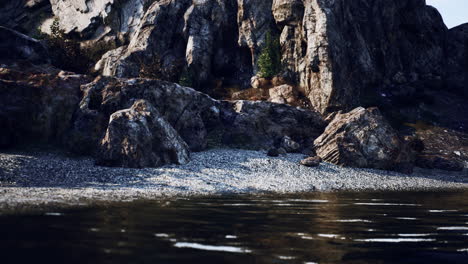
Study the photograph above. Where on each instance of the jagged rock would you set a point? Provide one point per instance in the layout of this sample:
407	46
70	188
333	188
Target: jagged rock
334	43
327	46
37	104
457	66
190	112
441	162
284	94
16	47
201	40
95	19
140	137
311	161
260	125
362	138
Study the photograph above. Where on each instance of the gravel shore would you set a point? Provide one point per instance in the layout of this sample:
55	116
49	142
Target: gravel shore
53	178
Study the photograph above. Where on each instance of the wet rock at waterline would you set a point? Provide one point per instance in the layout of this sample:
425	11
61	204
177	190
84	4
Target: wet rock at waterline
140	137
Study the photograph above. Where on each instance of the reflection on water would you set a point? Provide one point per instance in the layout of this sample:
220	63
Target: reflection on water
407	227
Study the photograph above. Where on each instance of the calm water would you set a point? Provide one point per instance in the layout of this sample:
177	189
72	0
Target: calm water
409	227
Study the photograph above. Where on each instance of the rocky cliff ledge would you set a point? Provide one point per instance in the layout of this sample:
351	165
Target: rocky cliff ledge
335	56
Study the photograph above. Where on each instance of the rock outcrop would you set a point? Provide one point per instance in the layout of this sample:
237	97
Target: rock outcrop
200	41
37	104
140	137
327	46
362	138
98	19
336	55
334	43
196	117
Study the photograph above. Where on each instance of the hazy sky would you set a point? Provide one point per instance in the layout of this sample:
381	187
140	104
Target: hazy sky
455	12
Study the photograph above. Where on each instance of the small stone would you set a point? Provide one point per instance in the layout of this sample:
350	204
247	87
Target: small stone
311	161
289	144
273	152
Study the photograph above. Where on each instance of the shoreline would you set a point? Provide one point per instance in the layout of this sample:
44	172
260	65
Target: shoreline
38	178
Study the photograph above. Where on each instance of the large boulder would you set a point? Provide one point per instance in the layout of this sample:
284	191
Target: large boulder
37	104
362	138
140	137
191	113
16	47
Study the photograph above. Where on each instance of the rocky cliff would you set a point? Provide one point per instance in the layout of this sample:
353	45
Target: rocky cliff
327	46
335	55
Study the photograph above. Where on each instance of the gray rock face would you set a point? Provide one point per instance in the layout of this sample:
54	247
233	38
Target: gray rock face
16	47
201	40
140	137
255	20
457	66
327	46
337	42
362	138
94	19
37	104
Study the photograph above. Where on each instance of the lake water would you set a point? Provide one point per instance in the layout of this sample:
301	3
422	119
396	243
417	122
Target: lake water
399	227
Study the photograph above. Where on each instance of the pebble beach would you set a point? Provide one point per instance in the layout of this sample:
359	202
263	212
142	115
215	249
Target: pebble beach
41	178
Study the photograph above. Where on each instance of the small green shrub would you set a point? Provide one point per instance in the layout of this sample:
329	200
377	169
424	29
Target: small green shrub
269	62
